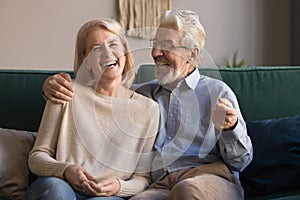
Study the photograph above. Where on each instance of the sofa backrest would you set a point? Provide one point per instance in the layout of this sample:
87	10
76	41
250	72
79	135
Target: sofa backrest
262	92
21	100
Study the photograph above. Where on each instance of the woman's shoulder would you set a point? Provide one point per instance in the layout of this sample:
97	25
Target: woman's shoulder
146	105
145	109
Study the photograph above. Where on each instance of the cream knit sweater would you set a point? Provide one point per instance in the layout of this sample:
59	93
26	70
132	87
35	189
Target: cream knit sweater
109	137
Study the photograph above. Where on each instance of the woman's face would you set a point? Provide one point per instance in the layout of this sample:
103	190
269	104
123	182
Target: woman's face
105	55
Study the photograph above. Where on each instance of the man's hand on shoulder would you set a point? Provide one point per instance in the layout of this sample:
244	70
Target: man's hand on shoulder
58	88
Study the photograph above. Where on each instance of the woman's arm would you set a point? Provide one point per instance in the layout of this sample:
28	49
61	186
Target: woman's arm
42	160
140	180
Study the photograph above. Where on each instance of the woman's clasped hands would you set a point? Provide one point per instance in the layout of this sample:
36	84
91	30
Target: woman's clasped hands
83	182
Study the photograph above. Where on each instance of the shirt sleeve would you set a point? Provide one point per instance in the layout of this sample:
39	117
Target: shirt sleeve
235	145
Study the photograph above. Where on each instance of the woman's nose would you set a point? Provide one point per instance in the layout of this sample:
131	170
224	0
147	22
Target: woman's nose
106	51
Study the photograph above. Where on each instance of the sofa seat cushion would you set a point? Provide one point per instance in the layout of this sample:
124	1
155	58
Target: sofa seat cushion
276	156
14	172
287	195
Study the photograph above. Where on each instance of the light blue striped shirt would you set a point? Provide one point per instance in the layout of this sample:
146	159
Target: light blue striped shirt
187	137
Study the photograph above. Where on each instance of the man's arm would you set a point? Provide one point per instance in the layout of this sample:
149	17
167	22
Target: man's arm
235	145
58	88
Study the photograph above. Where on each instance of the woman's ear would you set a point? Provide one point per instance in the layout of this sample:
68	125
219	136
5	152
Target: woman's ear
84	61
82	57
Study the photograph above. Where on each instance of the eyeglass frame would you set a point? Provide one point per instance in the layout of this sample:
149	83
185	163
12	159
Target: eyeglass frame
159	43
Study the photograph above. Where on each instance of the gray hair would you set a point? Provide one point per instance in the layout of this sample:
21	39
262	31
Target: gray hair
188	24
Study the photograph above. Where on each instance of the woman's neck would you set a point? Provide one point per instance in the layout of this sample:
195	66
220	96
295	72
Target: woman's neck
109	87
113	89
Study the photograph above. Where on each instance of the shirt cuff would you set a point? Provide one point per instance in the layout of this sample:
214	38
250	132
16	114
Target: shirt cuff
232	135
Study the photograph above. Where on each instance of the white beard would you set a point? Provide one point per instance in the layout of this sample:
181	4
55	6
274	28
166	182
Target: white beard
167	76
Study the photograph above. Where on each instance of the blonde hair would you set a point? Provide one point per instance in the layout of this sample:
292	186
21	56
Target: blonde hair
113	27
188	24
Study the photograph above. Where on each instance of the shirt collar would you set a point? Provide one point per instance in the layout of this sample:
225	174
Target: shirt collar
193	79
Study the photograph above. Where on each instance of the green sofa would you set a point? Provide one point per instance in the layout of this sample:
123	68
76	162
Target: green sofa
268	98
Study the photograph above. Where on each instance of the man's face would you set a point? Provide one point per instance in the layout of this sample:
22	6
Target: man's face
170	56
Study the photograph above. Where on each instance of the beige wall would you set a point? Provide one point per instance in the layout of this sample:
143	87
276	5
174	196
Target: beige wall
259	29
40	34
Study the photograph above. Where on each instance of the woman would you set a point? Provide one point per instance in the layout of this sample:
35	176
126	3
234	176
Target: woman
98	145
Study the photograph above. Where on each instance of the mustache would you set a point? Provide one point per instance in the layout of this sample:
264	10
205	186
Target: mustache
161	59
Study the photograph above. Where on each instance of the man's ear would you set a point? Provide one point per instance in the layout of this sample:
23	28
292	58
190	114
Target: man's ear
194	54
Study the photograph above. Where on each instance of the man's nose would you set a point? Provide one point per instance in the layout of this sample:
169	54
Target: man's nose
156	52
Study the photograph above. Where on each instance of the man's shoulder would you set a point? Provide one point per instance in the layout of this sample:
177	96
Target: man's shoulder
213	82
146	88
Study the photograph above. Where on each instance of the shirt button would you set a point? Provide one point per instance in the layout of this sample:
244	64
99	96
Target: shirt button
205	120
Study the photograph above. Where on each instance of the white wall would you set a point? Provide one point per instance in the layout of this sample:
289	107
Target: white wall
40	34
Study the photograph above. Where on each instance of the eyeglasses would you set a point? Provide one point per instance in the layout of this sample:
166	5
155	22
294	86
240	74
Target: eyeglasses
166	45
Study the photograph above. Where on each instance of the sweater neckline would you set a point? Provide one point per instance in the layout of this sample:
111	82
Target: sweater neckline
115	99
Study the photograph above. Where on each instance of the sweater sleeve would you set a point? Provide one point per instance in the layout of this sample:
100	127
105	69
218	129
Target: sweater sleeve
42	160
137	183
140	180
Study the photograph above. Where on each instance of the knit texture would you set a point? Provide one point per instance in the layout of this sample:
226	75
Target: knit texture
109	137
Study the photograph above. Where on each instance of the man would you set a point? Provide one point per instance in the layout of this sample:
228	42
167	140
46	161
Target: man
203	138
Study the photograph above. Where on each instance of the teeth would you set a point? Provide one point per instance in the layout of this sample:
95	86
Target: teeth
161	63
109	64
